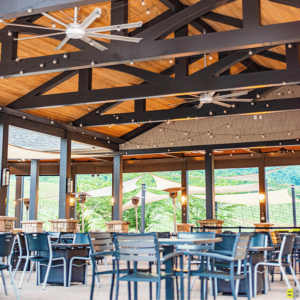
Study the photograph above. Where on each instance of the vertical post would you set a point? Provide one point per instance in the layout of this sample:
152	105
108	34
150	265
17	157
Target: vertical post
7	201
4	125
262	190
18	210
184	193
34	189
118	187
210	184
74	177
294	206
119	15
9	47
292	55
181	64
143	203
64	174
251	14
267	203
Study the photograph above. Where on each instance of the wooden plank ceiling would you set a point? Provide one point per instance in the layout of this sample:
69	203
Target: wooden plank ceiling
13	88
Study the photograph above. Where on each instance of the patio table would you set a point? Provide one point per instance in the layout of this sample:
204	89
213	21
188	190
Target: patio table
168	246
67	251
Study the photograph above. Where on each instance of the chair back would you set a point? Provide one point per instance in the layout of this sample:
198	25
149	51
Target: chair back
227	242
66	238
287	248
100	241
21	243
54	236
241	246
297	243
137	247
81	238
259	240
7	241
194	236
38	241
274	238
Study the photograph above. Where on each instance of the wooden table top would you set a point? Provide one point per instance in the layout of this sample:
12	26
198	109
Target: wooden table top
176	241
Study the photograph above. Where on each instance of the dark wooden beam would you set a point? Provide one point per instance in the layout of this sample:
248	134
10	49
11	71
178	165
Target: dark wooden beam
34	189
138	131
212	16
139	105
117	187
181	64
210	185
85	80
173	5
294	3
9	47
292	55
251	14
18	204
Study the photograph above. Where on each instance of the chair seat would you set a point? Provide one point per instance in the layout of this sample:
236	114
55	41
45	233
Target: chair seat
2	267
143	276
219	275
39	258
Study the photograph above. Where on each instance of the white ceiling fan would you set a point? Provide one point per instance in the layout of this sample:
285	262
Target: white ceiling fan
77	30
212	97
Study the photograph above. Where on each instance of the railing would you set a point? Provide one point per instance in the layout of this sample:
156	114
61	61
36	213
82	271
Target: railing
240	228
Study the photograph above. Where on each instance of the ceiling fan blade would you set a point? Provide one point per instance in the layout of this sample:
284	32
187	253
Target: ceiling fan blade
114	27
94	44
29	26
231	95
170	104
218	151
115	37
200	105
221	103
91	18
37	36
210	94
167	98
62	43
55	20
235	100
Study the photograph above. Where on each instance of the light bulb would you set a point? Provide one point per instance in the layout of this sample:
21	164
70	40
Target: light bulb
250	52
225	111
258	96
185	133
290	46
95	138
289	92
233	105
171	61
65	55
53	25
148	12
132	120
236	136
143	2
228	125
52	122
210	112
29	10
211	136
89	108
92	63
267	105
139	125
80	125
54	61
278	93
42	65
1	77
210	57
189	139
138	145
131	62
9	33
17	58
91	42
118	28
252	103
21	71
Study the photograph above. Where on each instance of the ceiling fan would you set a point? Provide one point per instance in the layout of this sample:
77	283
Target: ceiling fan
203	152
79	30
212	97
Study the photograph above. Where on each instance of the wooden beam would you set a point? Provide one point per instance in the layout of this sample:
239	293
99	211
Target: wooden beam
34	189
294	3
210	184
117	187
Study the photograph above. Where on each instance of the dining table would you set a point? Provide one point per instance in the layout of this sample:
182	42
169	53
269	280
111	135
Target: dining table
168	246
67	251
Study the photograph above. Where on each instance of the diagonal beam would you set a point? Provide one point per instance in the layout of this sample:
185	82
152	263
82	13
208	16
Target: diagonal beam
138	131
212	16
47	86
294	3
193	112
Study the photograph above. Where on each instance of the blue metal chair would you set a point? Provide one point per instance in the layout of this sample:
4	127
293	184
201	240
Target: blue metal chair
283	261
7	241
54	236
22	250
143	248
237	256
36	242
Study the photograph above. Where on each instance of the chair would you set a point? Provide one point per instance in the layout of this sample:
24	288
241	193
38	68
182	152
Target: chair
237	256
40	242
54	236
66	238
22	250
143	248
80	238
285	251
7	241
101	246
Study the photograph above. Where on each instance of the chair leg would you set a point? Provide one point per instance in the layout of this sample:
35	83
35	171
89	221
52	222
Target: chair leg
189	282
255	280
112	287
31	268
150	290
5	291
135	286
65	273
17	267
158	290
70	271
24	271
285	277
250	280
47	274
232	281
177	288
93	280
295	277
107	268
13	282
117	289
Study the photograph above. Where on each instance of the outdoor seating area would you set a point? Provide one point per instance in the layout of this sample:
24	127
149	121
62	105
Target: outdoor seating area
149	149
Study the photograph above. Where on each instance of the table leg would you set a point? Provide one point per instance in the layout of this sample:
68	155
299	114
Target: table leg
169	269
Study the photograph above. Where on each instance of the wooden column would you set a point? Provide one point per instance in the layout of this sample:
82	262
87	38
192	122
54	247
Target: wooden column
18	206
74	177
4	125
64	174
34	189
210	184
118	187
262	190
184	193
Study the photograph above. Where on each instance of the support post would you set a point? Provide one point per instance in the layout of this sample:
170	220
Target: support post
251	14
294	206
4	125
210	184
118	187
18	210
267	203
292	55
9	47
143	203
181	64
74	177
262	190
34	189
64	174
184	193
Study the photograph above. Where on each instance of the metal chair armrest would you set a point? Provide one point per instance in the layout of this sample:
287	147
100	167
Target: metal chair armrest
212	255
108	253
169	256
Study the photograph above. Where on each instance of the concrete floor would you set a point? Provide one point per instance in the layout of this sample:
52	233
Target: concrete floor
79	292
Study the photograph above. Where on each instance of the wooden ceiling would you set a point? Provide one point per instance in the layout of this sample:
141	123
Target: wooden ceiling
13	88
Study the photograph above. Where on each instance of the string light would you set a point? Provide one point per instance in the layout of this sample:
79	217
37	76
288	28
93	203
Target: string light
9	33
138	145
233	105
92	63
160	129
52	122
168	122
24	117
82	132
80	125
258	96
251	154
109	126
189	139
42	65
250	52
138	124
17	59
228	125
263	136
185	133
252	103
1	77
210	57
225	111
208	133
171	61
53	25
117	118
54	61
91	42
89	108
290	46
118	28
95	138
267	105
237	137
131	62
29	9
132	120
21	71
148	12
108	142
154	145
210	112
171	143
65	55
289	133
278	94
143	2
211	136
289	92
